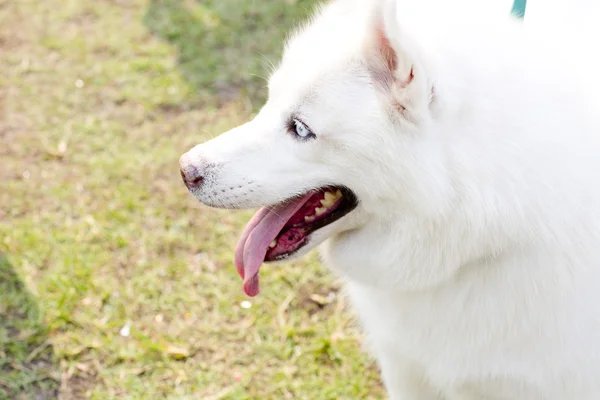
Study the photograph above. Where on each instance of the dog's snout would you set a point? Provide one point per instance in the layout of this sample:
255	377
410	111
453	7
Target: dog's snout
191	173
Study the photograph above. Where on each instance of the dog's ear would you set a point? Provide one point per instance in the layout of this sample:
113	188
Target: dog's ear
395	63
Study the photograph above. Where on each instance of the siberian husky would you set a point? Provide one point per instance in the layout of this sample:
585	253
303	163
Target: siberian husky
448	166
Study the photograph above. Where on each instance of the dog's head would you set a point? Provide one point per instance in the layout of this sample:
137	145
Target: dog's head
339	141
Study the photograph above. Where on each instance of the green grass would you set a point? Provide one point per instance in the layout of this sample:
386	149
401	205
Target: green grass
98	98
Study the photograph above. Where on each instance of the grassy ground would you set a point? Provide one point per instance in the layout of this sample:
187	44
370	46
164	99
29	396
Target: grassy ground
114	282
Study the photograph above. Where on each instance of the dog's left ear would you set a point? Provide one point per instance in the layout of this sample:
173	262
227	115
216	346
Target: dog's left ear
396	62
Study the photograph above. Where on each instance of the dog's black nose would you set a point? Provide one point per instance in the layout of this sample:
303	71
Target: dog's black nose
191	174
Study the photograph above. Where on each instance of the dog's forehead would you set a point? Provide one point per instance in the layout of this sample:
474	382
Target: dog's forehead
324	53
314	82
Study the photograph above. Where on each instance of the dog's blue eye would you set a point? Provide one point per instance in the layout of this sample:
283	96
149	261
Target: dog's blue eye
301	130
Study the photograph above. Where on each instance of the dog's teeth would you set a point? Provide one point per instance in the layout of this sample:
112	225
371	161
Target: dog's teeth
338	194
329	199
273	244
309	218
320	210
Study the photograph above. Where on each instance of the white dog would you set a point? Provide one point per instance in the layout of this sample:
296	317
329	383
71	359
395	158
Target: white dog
449	164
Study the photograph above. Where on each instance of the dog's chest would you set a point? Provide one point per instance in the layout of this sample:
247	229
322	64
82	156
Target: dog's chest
456	338
437	333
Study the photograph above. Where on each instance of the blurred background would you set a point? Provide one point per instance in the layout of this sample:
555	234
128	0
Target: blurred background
114	282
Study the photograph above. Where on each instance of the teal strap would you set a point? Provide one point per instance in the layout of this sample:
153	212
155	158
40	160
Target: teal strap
518	8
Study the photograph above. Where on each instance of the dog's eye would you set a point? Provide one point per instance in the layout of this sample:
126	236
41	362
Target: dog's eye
301	130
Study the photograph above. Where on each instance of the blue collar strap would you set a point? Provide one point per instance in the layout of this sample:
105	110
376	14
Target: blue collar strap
518	8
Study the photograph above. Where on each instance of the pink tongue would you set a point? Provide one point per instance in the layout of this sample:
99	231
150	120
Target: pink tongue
262	229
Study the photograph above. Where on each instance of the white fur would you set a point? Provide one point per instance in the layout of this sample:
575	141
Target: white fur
473	259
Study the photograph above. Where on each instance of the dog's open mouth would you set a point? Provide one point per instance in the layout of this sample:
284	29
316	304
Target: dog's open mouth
277	232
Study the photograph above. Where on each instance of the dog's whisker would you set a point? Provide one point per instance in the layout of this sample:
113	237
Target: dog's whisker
261	77
270	66
212	136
